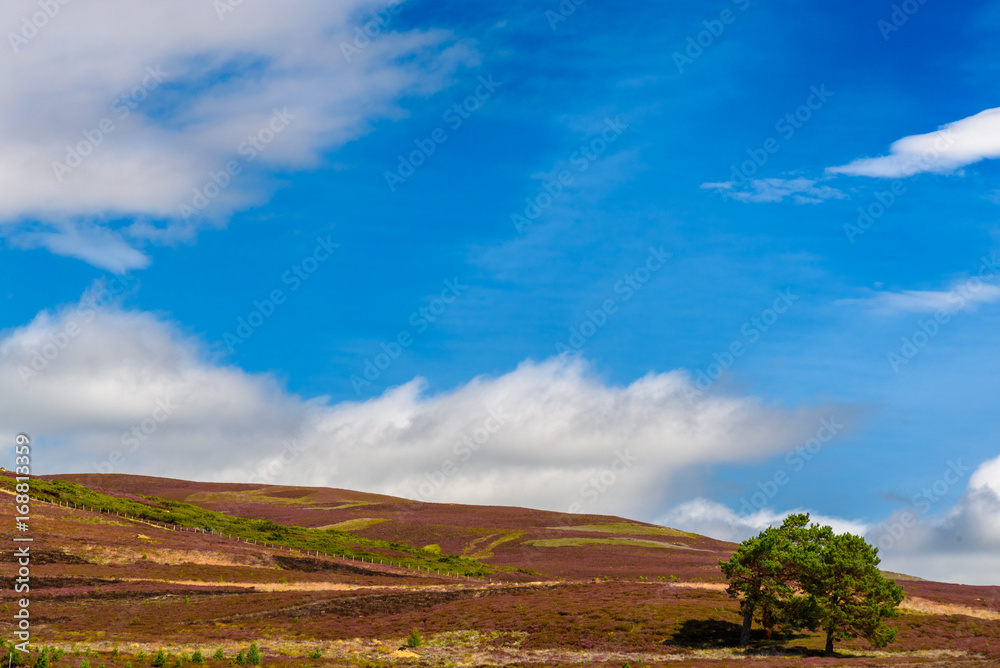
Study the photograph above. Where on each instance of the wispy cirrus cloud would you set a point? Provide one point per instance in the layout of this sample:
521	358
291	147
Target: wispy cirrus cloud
945	150
801	190
959	298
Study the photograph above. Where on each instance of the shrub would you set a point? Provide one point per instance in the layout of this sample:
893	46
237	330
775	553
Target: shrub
197	657
219	654
85	663
240	660
414	640
159	660
316	653
42	661
254	657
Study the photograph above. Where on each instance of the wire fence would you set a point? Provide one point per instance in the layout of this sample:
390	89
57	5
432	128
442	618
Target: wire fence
423	572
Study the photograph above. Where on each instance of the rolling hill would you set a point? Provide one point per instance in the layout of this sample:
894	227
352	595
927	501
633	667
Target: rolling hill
123	566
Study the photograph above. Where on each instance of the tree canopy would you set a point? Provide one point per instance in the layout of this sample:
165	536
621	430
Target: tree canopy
803	575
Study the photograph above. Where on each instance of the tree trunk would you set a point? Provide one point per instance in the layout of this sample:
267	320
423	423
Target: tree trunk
829	643
747	622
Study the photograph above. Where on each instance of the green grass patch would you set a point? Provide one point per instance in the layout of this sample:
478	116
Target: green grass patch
356	524
629	529
580	542
327	541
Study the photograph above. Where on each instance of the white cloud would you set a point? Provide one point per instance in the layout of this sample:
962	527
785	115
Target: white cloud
965	295
568	438
801	190
952	147
96	245
987	477
110	381
718	521
959	544
195	87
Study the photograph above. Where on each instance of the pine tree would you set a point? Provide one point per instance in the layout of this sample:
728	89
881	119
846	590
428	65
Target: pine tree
850	594
764	571
805	576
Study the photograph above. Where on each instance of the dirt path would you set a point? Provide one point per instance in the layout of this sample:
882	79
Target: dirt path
924	606
338	586
714	586
910	603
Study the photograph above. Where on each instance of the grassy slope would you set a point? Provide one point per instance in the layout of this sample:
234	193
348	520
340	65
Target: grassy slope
99	581
326	541
545	542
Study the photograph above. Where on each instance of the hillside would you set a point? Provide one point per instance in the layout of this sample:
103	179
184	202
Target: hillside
150	563
548	543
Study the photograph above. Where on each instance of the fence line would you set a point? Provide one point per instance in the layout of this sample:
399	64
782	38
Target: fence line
316	553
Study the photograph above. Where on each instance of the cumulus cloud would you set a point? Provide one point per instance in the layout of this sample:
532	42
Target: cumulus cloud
125	391
104	389
718	521
801	190
108	133
945	150
957	544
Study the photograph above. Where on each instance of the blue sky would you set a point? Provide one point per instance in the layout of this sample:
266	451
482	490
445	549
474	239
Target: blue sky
645	131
